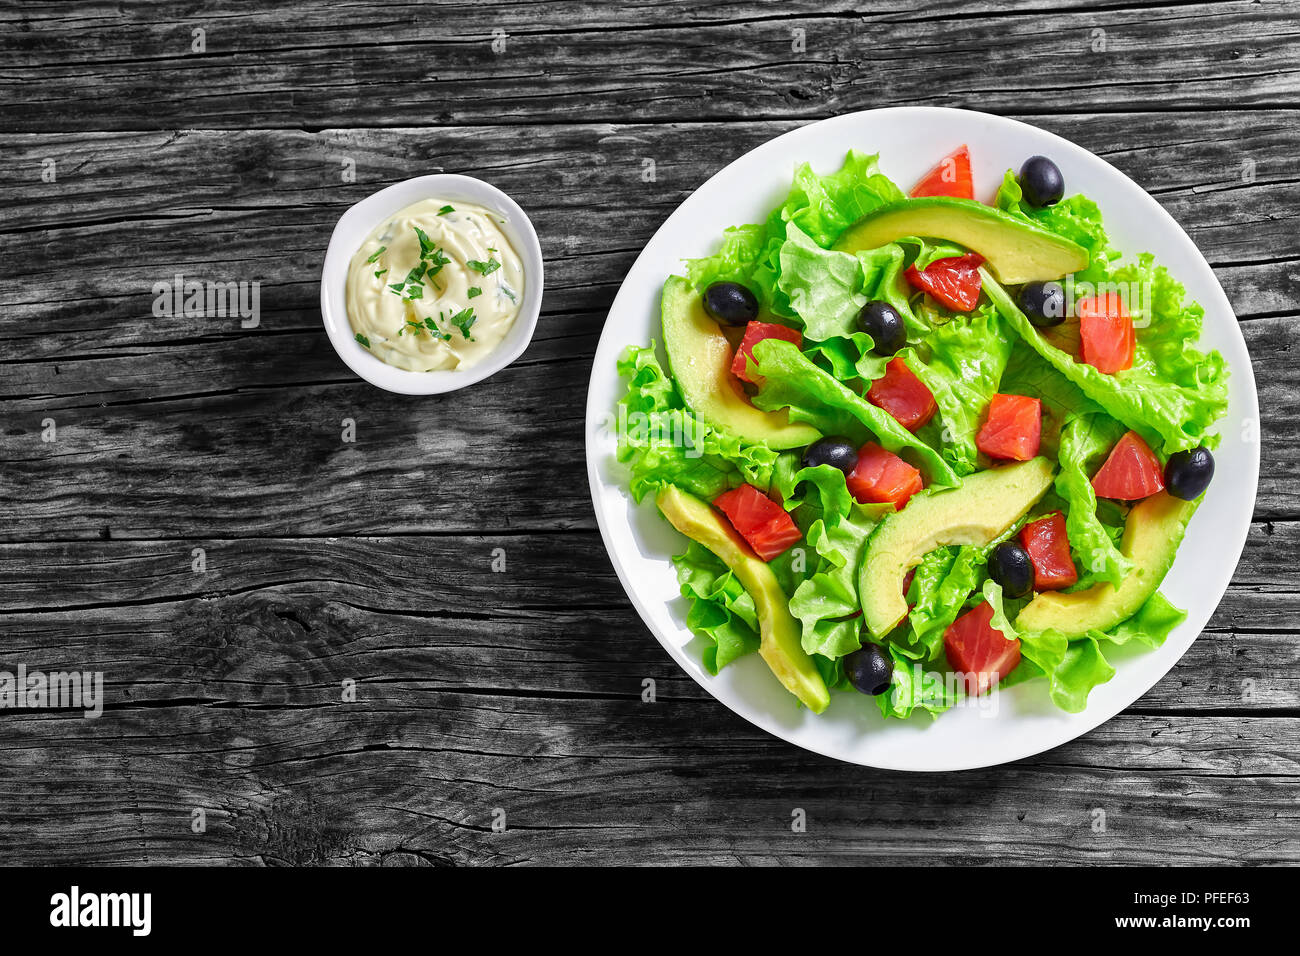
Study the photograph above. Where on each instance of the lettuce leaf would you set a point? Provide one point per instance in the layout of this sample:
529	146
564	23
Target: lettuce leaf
792	380
963	368
1086	440
836	527
1074	666
1028	373
826	290
1150	625
721	611
912	687
661	442
821	207
827	604
824	206
944	579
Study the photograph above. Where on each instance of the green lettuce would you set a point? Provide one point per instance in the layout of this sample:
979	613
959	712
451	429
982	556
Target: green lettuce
1150	625
913	688
662	443
827	604
721	610
961	363
827	289
824	206
944	579
1074	666
1086	440
791	380
821	207
836	527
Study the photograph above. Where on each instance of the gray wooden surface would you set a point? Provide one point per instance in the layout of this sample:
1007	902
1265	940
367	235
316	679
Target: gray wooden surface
371	561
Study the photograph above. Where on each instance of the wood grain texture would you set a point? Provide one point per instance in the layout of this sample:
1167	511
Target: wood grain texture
389	64
371	561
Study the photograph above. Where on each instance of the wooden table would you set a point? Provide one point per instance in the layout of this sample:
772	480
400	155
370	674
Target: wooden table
226	736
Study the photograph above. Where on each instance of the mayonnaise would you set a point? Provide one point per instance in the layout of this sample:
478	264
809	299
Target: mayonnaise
438	302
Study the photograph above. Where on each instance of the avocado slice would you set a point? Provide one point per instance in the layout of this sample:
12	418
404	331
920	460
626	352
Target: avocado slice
1017	251
699	356
980	511
780	644
1152	533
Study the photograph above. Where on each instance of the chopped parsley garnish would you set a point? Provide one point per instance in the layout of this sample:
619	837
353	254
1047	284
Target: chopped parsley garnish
433	327
427	246
485	268
473	291
436	261
505	290
464	320
446	209
363	340
412	287
379	274
378	252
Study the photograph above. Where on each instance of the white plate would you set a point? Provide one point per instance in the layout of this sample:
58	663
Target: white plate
640	542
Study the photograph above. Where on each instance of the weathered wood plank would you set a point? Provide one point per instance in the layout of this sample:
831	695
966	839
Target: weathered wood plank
616	781
385	69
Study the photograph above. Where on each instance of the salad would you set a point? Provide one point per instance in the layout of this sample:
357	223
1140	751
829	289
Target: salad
922	446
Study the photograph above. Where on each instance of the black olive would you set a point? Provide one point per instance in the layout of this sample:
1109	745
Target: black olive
869	669
833	450
881	321
1188	473
1009	566
1041	181
730	302
1043	302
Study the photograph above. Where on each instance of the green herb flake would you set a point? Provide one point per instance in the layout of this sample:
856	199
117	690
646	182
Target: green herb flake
473	291
363	340
446	209
436	261
380	273
485	268
378	252
464	320
427	245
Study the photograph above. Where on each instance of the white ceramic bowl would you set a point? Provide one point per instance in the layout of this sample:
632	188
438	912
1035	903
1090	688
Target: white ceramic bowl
640	542
358	222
